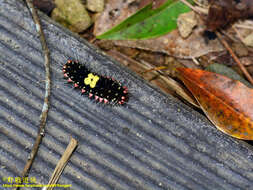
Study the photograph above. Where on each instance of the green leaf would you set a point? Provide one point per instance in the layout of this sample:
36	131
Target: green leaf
148	23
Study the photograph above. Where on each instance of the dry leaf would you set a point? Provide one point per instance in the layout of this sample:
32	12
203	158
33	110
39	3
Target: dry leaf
172	44
226	102
115	11
45	6
224	12
186	22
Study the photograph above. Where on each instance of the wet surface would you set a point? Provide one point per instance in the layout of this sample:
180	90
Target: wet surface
153	142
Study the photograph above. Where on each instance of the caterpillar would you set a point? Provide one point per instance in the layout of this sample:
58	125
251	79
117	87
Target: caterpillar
101	88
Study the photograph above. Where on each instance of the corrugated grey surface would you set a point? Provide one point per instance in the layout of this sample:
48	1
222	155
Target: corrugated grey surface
154	142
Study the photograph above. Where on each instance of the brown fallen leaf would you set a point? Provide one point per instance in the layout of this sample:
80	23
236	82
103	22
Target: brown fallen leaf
171	44
224	12
45	6
115	11
226	102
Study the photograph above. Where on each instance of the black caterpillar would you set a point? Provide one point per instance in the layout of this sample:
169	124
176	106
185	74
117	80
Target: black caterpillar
102	89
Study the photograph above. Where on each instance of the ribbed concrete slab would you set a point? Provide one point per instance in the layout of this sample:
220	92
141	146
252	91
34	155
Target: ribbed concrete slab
154	142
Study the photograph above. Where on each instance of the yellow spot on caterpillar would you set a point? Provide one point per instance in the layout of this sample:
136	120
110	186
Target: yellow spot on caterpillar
91	80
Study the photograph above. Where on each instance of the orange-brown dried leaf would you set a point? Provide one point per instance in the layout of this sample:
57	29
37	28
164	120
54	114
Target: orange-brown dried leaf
226	102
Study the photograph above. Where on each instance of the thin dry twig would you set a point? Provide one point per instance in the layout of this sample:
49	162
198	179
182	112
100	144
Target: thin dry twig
241	66
44	113
225	44
244	26
238	34
154	69
172	84
196	9
175	86
61	164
